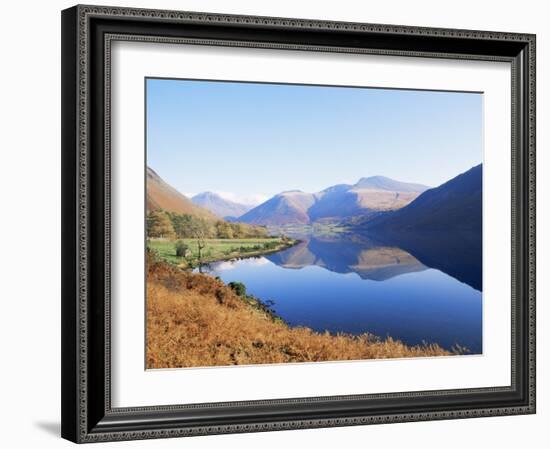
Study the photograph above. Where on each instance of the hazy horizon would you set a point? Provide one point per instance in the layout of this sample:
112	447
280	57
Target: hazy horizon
250	141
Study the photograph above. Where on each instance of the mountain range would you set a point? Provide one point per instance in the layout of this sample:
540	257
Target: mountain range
376	204
336	203
222	207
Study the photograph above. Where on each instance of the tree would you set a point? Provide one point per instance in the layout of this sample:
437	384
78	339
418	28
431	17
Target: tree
200	230
159	225
181	225
240	229
224	230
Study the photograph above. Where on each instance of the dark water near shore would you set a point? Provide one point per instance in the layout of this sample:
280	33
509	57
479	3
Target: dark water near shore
412	288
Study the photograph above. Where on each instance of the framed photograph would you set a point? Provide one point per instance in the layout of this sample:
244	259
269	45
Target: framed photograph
275	223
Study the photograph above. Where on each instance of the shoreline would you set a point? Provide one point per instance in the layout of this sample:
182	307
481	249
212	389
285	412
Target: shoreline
264	307
235	249
251	254
196	320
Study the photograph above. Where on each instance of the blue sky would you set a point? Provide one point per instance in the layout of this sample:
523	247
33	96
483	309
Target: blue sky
250	141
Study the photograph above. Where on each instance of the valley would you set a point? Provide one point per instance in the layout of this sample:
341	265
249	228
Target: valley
348	265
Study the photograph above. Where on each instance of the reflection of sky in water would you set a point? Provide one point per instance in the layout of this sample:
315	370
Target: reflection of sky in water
232	264
425	305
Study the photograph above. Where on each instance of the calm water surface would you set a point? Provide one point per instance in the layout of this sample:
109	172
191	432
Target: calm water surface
355	285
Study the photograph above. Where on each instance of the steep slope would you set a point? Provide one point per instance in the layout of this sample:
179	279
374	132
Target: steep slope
333	203
379	200
161	195
456	205
285	208
220	206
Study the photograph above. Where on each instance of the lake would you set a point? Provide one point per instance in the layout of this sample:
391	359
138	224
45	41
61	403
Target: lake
429	292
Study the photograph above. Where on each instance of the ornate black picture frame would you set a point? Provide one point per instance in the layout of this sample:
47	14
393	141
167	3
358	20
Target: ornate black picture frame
87	33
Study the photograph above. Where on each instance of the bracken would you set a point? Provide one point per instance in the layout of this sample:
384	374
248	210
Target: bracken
195	320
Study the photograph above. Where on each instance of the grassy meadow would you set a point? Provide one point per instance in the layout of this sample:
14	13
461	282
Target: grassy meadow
217	249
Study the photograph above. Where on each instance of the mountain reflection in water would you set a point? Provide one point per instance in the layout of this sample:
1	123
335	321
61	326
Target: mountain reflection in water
416	288
377	263
380	257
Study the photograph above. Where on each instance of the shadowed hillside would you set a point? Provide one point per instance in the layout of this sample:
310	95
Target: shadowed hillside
456	205
442	228
456	253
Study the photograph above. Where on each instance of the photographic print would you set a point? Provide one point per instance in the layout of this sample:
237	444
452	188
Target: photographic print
291	223
283	223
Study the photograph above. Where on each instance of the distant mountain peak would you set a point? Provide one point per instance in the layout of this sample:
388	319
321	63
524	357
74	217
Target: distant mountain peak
219	205
375	178
283	208
336	188
205	196
379	182
292	192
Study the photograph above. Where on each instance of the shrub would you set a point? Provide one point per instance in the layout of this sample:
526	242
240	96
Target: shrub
238	287
220	295
181	248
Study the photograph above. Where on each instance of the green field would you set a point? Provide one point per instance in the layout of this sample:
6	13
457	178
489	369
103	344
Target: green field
217	249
